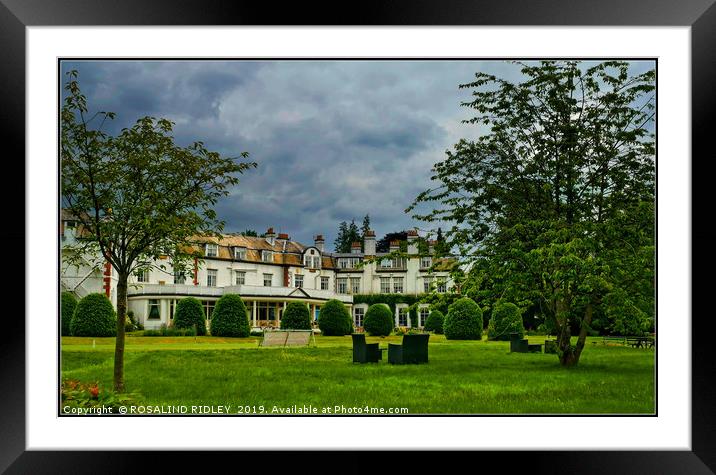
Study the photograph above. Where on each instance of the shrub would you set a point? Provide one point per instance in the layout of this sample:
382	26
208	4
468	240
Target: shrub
130	324
334	319
506	318
378	320
296	317
189	312
94	316
435	322
229	317
463	321
67	308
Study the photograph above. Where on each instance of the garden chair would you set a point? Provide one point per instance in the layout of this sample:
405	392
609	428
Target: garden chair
518	345
365	352
414	350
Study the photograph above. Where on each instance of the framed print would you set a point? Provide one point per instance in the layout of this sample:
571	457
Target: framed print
563	138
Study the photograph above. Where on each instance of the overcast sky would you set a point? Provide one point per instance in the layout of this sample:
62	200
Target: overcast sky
334	140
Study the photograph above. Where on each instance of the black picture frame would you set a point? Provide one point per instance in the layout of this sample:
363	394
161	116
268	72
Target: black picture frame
700	15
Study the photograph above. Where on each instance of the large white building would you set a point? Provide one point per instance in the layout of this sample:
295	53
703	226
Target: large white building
268	272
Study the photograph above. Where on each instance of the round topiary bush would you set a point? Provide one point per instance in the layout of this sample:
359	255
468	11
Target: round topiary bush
229	317
334	319
506	318
188	313
94	316
67	308
435	322
296	317
378	320
463	321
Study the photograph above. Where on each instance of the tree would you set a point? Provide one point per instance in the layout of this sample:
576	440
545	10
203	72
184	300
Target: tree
250	232
347	235
378	320
190	314
463	321
554	206
138	195
334	319
94	316
230	318
506	319
364	229
296	317
383	244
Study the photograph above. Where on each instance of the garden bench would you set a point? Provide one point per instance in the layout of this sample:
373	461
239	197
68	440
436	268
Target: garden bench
534	347
621	340
640	342
414	350
286	338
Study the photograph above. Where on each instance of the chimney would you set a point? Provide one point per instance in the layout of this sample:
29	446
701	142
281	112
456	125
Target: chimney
283	237
394	246
369	243
318	241
412	241
355	248
270	236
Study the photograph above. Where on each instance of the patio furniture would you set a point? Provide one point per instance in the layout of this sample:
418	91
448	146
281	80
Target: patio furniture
365	352
414	350
517	344
534	347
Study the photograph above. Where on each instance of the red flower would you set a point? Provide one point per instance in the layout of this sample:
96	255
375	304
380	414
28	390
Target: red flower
94	391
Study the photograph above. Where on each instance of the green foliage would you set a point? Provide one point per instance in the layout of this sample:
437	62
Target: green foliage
334	319
94	316
76	394
131	323
506	318
190	314
463	321
230	317
347	235
435	322
67	308
391	300
379	320
170	331
296	317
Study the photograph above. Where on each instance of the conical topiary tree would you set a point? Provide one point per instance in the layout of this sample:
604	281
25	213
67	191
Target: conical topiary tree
67	308
230	318
463	321
296	317
506	318
189	312
435	322
378	320
334	319
94	316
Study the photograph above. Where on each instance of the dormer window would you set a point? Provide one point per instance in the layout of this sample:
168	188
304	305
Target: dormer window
425	262
211	250
266	256
240	253
311	260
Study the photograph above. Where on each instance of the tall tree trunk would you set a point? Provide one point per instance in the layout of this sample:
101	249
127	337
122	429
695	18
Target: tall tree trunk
565	351
571	358
119	344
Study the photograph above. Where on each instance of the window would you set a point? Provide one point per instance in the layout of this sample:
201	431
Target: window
424	314
298	281
426	284
403	317
442	285
398	285
313	262
425	262
266	256
143	275
179	277
240	277
211	277
385	285
268	280
240	253
208	308
153	310
358	314
355	285
342	286
212	250
348	262
324	283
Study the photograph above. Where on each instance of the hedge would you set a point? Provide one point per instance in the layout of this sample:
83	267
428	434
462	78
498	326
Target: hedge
506	318
296	317
435	322
379	320
230	318
94	316
189	312
67	308
334	319
463	321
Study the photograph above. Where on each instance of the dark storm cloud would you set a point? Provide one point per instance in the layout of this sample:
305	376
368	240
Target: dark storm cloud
334	140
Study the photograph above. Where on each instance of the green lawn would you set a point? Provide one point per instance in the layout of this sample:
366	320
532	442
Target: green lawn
476	377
